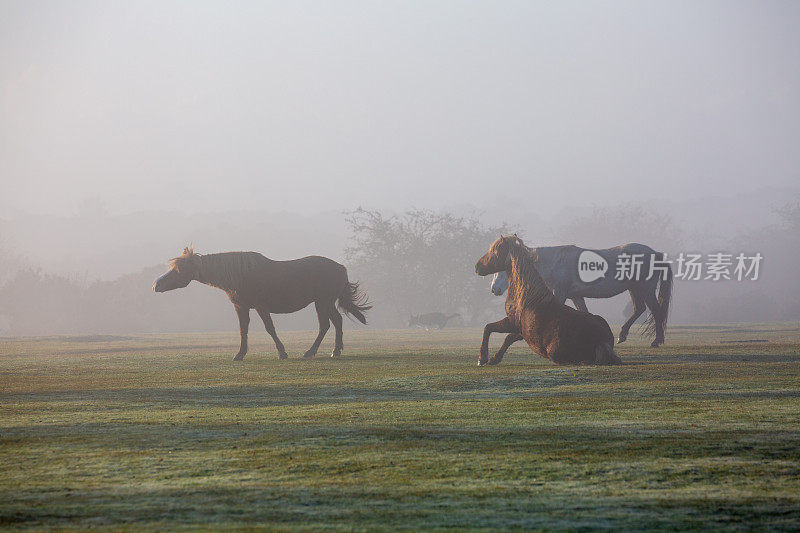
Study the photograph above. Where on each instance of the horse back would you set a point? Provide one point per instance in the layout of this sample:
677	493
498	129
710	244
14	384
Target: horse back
288	286
563	334
607	286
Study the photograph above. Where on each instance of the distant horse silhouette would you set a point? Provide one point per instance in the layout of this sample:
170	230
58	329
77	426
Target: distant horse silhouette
428	320
553	330
254	282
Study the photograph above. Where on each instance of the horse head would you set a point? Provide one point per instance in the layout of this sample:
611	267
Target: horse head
499	283
183	269
498	257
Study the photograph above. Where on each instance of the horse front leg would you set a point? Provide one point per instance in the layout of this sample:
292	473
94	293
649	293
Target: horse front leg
501	326
244	323
510	339
263	312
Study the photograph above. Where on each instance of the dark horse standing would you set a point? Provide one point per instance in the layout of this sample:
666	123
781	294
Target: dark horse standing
254	282
556	331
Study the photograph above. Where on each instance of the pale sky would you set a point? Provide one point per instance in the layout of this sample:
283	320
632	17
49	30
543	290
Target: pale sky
312	106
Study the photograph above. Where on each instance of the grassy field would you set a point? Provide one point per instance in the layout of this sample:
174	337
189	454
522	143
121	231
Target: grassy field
404	431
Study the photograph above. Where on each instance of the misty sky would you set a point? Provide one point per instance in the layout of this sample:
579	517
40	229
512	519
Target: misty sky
311	106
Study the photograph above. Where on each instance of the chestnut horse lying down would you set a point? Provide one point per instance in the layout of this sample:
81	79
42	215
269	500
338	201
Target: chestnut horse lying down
553	330
254	282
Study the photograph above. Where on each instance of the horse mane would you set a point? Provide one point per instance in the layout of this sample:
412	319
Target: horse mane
227	271
530	289
186	256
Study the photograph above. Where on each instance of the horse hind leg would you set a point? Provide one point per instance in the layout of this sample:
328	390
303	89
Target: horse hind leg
638	308
336	318
324	326
655	310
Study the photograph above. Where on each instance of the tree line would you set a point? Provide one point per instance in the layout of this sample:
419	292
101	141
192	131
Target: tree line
414	262
417	262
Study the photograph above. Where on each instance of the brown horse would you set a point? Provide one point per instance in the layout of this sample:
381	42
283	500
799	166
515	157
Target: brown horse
254	282
553	330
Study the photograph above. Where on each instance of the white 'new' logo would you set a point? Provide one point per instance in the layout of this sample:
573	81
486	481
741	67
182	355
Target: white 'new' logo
591	266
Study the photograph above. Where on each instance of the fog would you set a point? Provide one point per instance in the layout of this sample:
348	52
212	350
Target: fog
129	130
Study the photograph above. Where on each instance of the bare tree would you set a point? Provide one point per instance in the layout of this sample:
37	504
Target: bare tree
420	261
790	215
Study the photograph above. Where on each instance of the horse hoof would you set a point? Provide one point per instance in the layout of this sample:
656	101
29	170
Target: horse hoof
309	354
621	340
336	353
238	357
283	356
483	363
654	344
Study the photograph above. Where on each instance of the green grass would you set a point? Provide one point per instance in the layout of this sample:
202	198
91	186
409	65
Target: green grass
404	431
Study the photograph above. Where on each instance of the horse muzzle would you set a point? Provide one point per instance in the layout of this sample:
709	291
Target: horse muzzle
157	286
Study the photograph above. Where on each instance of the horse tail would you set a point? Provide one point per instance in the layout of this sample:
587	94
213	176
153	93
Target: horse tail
354	302
664	299
604	354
